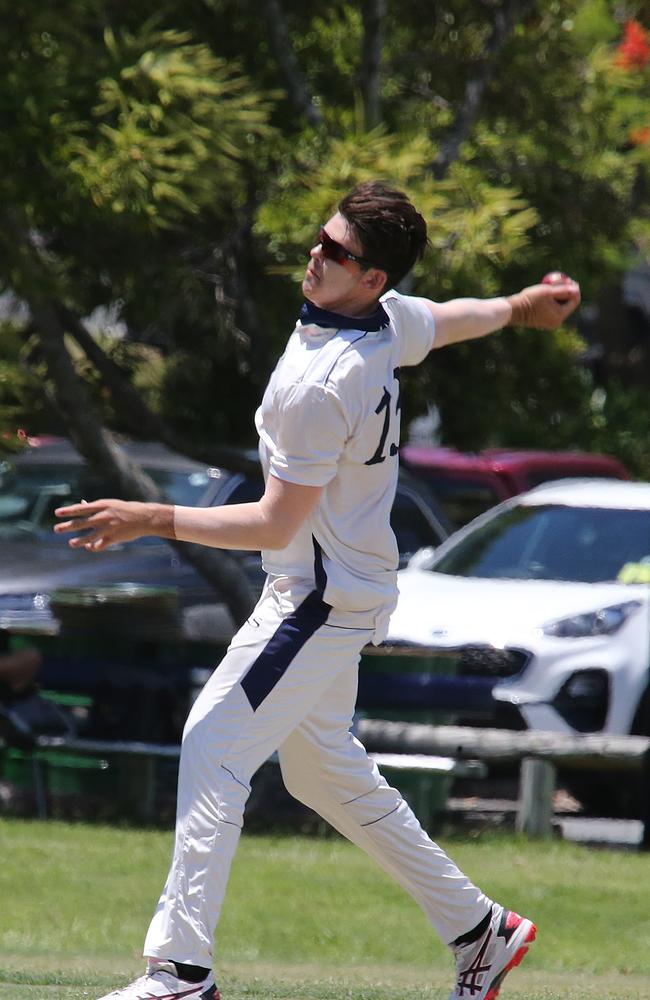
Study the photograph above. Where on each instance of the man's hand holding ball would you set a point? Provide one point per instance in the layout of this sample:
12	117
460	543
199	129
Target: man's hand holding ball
547	305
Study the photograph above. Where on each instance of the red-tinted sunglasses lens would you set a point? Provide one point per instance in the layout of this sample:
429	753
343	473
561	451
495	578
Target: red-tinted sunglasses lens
331	249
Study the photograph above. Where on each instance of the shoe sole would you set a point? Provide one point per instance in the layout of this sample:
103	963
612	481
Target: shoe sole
516	960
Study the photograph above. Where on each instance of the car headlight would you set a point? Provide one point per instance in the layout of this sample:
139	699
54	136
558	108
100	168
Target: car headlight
604	621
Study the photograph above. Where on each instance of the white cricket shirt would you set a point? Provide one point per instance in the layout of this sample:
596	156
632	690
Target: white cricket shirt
330	417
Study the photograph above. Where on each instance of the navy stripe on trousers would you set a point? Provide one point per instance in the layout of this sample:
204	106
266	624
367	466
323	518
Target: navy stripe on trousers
283	646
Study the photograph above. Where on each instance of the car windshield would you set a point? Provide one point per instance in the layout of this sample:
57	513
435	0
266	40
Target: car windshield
552	542
29	494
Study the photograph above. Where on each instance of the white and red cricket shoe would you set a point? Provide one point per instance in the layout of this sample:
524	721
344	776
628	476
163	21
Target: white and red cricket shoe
160	983
482	965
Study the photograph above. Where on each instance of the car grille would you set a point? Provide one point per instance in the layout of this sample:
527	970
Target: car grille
487	661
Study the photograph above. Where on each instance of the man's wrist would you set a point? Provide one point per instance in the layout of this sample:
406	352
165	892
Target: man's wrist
161	518
521	309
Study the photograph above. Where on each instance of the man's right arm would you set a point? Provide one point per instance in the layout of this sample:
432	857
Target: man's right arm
536	307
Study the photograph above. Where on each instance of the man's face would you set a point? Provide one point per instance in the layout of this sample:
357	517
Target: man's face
345	286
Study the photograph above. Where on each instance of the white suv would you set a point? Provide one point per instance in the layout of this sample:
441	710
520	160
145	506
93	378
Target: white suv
541	610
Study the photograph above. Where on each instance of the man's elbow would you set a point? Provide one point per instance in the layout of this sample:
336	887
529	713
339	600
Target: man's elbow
278	536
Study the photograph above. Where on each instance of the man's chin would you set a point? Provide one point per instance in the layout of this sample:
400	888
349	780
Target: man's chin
310	293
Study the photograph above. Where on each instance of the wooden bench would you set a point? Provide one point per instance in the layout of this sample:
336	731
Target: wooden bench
137	779
430	751
538	753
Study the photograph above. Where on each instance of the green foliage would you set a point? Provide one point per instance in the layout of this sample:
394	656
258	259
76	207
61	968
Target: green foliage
144	365
523	388
171	117
620	425
22	406
473	226
156	154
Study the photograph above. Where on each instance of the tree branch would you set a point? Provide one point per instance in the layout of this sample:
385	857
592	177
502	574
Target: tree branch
97	445
144	422
506	18
373	13
280	39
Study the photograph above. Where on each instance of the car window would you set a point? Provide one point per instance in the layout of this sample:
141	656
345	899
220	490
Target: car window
29	494
461	498
412	528
588	544
247	490
185	488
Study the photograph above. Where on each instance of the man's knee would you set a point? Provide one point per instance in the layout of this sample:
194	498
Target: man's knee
295	775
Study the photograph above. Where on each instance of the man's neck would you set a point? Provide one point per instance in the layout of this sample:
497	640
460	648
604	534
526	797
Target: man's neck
328	319
352	309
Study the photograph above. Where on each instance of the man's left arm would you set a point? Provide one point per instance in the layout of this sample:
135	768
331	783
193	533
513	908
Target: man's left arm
540	307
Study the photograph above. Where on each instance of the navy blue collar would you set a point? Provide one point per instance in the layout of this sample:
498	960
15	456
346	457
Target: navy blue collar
311	314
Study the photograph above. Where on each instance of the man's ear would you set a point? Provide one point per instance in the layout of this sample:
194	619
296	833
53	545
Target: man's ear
374	279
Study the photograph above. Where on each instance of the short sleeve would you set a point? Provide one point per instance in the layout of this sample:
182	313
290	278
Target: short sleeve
414	324
311	432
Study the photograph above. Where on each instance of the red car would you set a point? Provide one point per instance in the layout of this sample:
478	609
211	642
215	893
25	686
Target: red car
468	484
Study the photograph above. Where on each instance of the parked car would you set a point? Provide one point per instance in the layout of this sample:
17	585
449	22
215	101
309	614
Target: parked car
35	561
469	484
537	614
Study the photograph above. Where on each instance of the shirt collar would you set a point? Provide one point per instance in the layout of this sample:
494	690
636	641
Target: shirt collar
314	315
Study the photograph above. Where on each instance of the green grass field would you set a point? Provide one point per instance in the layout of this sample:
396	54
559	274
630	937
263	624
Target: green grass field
312	919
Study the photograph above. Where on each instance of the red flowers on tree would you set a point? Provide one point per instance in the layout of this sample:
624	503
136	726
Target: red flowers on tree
640	136
634	50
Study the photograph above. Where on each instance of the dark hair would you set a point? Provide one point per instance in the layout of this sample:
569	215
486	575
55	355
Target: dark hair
392	233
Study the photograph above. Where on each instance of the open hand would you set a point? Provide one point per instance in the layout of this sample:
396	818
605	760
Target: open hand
107	522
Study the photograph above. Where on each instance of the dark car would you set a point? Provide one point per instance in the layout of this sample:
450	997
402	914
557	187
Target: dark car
34	561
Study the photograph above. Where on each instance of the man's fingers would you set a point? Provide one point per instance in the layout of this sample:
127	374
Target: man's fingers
78	524
97	545
93	542
66	526
92	537
81	541
79	509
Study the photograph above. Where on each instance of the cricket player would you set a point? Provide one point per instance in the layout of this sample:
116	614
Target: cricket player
329	431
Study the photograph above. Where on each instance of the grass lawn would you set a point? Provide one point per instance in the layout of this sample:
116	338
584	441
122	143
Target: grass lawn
312	919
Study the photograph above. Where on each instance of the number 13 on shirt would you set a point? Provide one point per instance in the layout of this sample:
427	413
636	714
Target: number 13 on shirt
385	407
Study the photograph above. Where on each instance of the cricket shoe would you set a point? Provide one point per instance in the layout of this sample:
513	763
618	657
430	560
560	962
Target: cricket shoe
160	983
482	965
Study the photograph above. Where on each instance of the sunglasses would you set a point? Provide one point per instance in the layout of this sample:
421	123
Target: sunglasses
336	252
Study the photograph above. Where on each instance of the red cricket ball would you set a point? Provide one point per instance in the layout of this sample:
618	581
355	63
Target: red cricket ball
555	278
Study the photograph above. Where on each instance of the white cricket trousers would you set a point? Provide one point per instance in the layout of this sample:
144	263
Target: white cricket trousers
288	682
